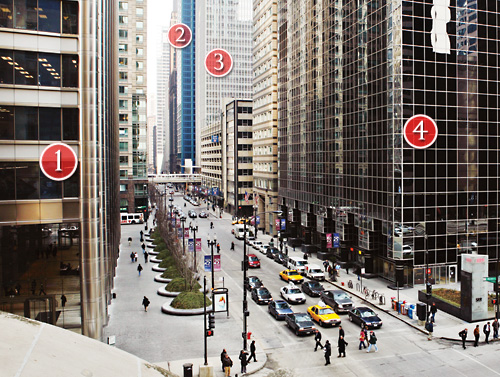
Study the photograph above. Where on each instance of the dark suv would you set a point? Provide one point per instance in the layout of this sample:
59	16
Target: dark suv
338	300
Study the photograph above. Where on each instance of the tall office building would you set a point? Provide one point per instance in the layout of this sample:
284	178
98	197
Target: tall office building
265	112
58	239
186	93
345	166
162	82
132	89
228	26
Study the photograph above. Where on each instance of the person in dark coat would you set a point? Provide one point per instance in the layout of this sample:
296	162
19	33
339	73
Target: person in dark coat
342	345
463	335
328	352
476	336
222	355
317	338
341	332
227	363
433	312
146	255
487	330
495	328
139	268
252	352
244	361
63	300
145	303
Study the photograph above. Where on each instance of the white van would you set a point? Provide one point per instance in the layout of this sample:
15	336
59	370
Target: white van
315	272
297	263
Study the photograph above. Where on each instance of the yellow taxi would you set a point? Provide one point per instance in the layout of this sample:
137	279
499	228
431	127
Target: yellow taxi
240	221
324	315
291	275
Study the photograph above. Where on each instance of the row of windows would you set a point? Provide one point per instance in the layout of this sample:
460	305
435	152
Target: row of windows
25	180
54	16
36	68
39	123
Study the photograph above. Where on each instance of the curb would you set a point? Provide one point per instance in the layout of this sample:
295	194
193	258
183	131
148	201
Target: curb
151	246
158	269
154	260
159	279
167	309
153	252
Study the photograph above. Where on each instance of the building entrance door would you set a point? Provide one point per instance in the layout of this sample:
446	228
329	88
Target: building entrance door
452	274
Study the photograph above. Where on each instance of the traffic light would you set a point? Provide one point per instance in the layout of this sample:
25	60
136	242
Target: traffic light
211	320
428	289
209	333
494	301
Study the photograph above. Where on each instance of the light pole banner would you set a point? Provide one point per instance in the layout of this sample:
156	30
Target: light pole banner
198	244
277	223
217	263
179	232
329	241
186	232
258	220
283	224
336	240
207	263
191	245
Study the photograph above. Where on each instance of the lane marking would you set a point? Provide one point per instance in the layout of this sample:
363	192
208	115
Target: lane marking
477	361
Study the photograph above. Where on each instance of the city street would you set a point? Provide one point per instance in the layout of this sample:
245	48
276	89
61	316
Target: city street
174	340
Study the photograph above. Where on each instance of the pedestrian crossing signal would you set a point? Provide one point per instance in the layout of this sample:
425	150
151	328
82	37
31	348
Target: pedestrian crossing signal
209	333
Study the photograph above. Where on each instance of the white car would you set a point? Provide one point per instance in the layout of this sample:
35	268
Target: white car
314	272
256	244
292	294
263	248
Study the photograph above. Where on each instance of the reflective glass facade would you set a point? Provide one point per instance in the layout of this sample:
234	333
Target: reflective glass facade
345	166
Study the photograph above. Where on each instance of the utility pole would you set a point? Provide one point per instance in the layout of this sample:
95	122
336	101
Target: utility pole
245	268
205	317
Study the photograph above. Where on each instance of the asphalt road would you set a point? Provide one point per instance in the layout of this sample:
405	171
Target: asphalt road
157	337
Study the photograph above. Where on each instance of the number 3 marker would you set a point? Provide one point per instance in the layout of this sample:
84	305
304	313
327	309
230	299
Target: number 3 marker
218	62
420	131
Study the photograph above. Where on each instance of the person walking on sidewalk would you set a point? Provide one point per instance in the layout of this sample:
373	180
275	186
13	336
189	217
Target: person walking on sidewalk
139	268
463	335
132	256
476	336
430	329
341	331
222	355
130	241
252	352
328	352
135	256
317	338
495	328
244	361
487	330
433	311
362	338
145	303
373	342
227	363
146	255
342	345
365	330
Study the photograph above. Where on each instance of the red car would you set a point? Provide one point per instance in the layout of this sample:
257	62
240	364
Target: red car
253	261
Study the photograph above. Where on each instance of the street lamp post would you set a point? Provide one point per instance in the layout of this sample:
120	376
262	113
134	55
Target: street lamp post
212	243
205	317
194	228
183	220
255	220
245	269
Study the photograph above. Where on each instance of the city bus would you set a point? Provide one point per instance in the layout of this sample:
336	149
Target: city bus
132	218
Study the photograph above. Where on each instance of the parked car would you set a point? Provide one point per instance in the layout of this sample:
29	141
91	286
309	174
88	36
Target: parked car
312	288
339	300
279	309
203	215
253	282
291	275
300	323
280	258
271	252
292	294
365	316
192	214
263	248
298	264
324	315
256	244
261	295
253	261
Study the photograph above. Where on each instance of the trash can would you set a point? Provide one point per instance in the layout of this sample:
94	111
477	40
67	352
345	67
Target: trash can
411	311
188	370
404	309
421	309
394	303
400	306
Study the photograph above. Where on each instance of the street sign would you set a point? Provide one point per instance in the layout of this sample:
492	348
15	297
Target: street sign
180	35
491	279
58	161
218	62
420	131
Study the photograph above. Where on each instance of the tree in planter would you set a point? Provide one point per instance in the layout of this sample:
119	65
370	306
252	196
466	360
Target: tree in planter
179	285
190	300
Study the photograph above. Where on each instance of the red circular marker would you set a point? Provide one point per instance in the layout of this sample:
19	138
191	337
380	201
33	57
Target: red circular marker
58	161
218	62
420	131
180	35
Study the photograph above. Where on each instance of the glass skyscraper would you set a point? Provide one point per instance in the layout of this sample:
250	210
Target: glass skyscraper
349	80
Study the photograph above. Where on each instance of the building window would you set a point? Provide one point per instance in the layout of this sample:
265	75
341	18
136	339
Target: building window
27	180
123	173
123	188
139	38
122	62
123	20
49	15
140	79
139	11
139	66
139	25
70	17
122	47
49	119
123	75
123	132
123	89
123	33
123	5
7	181
26	123
123	146
139	51
70	71
123	104
6	122
49	69
71	124
123	117
25	68
124	160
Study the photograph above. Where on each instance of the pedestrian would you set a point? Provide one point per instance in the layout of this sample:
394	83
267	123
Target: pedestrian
362	339
130	241
141	233
487	330
328	352
211	225
429	326
232	245
143	247
145	303
341	332
244	361
342	345
433	311
146	255
139	268
286	250
373	342
463	335
252	352
325	265
476	336
347	269
495	328
222	355
306	256
365	330
228	363
135	256
42	290
317	338
132	256
63	300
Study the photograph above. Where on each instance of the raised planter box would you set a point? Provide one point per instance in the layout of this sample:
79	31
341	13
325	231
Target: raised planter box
158	269
151	246
159	279
167	309
443	305
155	260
